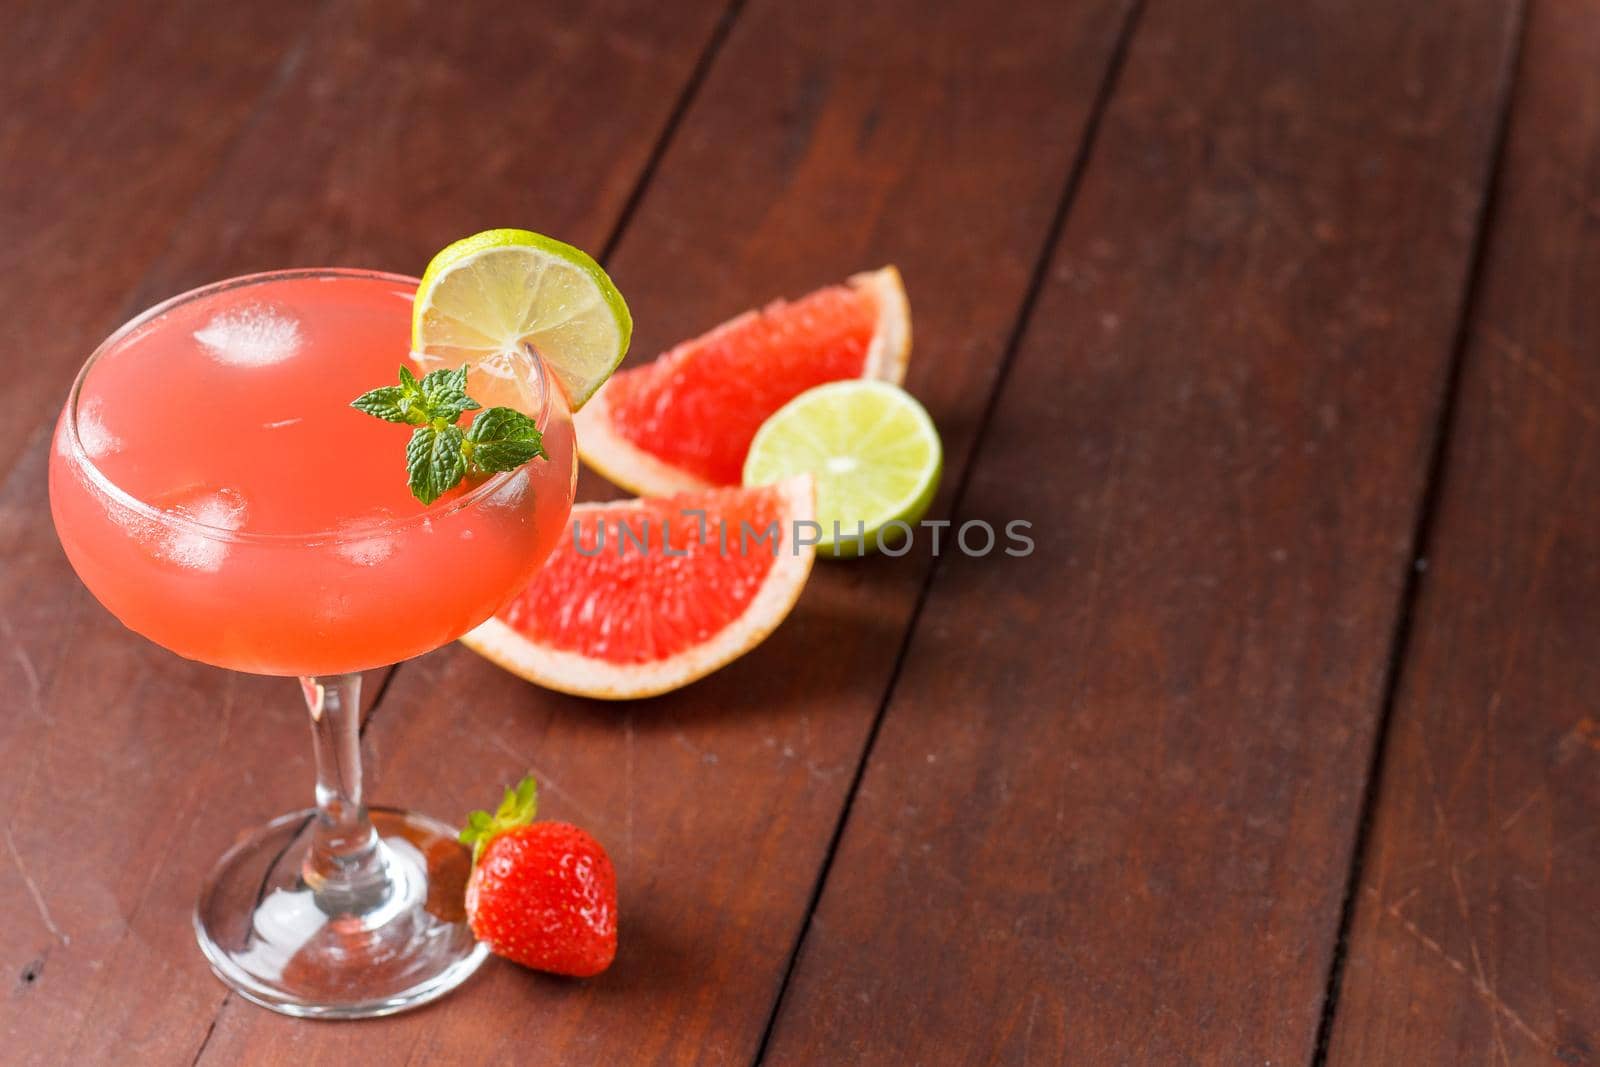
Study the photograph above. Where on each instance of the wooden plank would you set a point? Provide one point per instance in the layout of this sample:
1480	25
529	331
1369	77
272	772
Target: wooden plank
410	129
126	771
102	148
825	139
1108	815
1474	937
104	144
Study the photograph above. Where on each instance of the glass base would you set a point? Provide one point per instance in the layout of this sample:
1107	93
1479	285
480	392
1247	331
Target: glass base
270	937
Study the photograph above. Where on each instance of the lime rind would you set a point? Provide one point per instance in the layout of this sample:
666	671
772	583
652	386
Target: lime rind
486	296
872	447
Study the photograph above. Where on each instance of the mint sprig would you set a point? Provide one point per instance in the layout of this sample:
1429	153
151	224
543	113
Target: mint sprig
440	452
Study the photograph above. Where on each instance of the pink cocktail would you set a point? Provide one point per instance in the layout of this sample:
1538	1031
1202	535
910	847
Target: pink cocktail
214	489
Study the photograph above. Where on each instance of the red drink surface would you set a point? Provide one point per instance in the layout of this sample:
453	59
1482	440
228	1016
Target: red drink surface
229	504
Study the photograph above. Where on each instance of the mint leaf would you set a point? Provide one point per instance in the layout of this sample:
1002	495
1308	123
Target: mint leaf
396	403
388	403
440	453
443	378
503	439
444	394
434	461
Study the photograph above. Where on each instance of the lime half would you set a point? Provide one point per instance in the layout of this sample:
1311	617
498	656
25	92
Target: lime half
487	296
873	451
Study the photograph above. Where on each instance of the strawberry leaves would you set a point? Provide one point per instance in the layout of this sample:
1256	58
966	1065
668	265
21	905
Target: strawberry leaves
517	808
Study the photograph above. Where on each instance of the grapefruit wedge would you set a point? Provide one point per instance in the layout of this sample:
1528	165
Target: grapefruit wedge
647	596
685	421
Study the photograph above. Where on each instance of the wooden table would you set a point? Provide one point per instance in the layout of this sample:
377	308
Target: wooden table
1280	323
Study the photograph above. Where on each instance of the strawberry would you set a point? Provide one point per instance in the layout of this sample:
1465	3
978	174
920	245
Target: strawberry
541	894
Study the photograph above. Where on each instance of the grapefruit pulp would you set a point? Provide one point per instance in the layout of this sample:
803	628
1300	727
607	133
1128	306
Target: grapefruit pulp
685	421
644	596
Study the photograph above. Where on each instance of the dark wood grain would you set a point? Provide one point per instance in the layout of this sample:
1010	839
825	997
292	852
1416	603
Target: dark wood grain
1109	813
115	116
126	770
1108	816
408	126
825	139
1475	937
103	146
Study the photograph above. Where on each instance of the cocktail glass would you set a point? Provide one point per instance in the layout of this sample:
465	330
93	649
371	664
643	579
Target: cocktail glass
341	910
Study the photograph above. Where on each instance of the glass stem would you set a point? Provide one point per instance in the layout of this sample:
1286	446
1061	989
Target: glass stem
346	867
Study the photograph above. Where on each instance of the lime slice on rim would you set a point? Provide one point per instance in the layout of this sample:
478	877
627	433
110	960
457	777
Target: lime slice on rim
486	296
873	451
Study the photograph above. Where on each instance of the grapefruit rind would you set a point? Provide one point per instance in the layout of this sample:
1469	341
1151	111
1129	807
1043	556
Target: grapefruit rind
890	350
586	676
625	464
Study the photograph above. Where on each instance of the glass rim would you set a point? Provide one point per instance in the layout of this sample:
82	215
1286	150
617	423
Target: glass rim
103	483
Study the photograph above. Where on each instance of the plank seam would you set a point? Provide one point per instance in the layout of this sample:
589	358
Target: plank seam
377	697
216	1017
281	76
1422	535
669	129
1036	282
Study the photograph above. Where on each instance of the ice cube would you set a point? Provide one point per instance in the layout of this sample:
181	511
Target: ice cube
368	551
98	442
252	336
203	550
